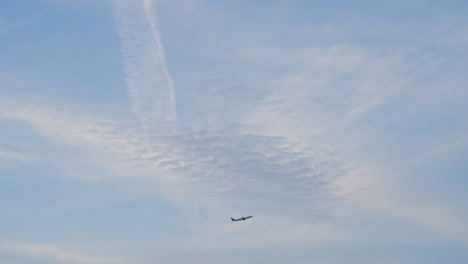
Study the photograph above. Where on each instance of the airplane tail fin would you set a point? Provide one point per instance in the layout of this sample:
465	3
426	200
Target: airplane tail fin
232	219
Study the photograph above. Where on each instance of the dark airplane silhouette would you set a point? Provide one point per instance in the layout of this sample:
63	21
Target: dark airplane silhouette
242	218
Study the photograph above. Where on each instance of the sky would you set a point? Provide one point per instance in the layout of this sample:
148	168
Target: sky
131	131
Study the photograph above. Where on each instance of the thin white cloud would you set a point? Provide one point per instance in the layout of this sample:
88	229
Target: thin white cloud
13	155
377	191
54	253
287	162
327	102
150	85
333	87
451	145
229	173
220	171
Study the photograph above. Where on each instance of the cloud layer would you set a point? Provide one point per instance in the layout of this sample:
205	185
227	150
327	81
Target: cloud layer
150	85
329	142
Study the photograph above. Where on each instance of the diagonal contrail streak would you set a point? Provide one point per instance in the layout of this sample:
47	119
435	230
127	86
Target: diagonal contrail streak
149	83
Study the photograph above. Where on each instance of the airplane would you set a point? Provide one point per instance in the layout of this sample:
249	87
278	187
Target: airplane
242	218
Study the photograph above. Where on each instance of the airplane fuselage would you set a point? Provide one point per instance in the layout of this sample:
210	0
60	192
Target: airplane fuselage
241	219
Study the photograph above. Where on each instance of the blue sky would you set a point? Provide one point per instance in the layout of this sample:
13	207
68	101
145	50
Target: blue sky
132	130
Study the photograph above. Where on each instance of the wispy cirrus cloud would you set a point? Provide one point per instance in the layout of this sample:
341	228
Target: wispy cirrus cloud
207	161
335	99
213	172
320	119
6	154
55	254
284	155
149	83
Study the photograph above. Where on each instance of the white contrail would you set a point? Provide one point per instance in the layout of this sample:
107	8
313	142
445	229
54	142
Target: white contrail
148	80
